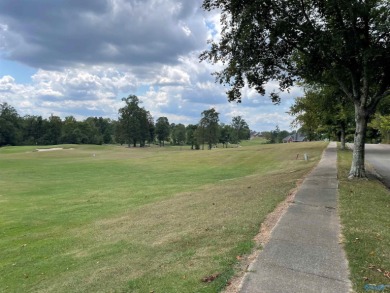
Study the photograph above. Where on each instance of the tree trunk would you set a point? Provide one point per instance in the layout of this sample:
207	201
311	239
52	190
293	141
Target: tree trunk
357	167
342	135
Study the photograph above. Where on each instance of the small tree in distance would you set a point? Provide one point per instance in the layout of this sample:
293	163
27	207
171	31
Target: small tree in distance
162	130
241	128
208	128
191	136
178	134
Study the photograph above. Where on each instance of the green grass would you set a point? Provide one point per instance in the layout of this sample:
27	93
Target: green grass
136	220
365	216
254	141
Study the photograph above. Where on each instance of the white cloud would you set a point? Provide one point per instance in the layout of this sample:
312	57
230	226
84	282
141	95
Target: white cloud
6	83
178	92
89	54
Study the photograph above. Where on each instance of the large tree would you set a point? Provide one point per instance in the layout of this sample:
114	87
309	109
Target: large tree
345	42
134	122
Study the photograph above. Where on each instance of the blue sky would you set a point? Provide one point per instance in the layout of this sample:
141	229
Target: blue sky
19	71
81	57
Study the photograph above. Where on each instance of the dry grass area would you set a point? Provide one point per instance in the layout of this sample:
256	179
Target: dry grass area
269	223
187	235
154	232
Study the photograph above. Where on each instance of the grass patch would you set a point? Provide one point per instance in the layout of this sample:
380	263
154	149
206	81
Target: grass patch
254	141
364	212
114	219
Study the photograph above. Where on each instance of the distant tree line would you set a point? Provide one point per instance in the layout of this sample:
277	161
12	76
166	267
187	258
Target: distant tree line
35	130
135	127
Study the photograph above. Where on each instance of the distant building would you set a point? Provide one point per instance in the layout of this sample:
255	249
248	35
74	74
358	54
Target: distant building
254	134
295	137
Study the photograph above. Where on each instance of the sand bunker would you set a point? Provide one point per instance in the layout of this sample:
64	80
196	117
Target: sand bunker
49	150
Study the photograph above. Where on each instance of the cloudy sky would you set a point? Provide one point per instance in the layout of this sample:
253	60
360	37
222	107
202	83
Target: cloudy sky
80	57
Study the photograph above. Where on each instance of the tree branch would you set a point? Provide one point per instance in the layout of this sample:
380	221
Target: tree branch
305	15
343	87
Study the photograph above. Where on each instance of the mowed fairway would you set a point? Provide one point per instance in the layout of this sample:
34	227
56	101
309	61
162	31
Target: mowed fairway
137	220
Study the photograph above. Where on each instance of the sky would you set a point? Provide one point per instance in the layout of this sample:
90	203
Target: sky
80	58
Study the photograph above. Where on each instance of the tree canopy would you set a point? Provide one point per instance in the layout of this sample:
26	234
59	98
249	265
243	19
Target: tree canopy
323	112
327	42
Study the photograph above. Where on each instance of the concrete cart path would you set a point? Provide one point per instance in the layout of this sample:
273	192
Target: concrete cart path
304	254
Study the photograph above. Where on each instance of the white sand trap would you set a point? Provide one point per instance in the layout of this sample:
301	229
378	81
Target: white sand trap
49	150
